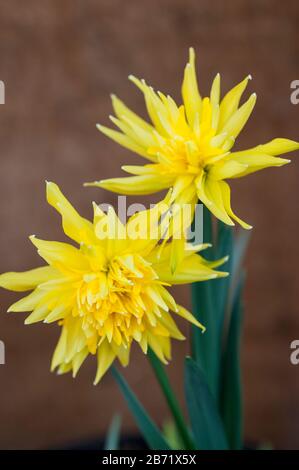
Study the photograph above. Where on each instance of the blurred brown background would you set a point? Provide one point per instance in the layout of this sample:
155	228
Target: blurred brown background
59	60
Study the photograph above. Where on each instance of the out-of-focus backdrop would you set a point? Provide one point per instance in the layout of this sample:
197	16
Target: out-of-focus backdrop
60	60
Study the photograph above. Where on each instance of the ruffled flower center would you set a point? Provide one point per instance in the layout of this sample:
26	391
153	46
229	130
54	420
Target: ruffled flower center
118	302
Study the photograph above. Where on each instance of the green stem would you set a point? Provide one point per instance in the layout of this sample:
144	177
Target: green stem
171	400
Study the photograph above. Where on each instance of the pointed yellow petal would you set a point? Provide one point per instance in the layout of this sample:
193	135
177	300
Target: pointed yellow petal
122	353
38	314
230	103
125	141
215	91
121	110
228	169
238	120
168	322
177	253
255	162
157	345
135	185
105	357
225	189
182	312
28	303
191	269
78	361
139	170
59	353
27	280
156	109
275	147
209	193
190	93
57	313
74	226
59	253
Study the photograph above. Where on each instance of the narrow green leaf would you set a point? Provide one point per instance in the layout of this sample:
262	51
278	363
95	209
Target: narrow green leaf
208	305
147	427
205	420
113	435
239	250
231	396
203	345
224	246
171	400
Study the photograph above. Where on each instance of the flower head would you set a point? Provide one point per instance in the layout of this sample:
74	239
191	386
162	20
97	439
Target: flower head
110	289
190	146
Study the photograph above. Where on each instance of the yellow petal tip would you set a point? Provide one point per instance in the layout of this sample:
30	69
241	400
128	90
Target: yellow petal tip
92	183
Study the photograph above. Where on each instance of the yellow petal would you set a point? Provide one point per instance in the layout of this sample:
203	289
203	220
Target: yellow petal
59	353
230	102
238	120
122	353
27	280
215	91
74	226
59	253
105	357
255	162
177	252
191	269
158	346
138	134
190	93
168	322
76	339
38	314
135	185
57	313
121	110
78	361
125	141
228	169
29	302
140	170
275	147
184	313
156	109
225	189
209	193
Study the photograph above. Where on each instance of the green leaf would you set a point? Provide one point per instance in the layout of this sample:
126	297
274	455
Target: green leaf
224	246
171	400
239	250
208	305
203	347
149	430
231	397
205	420
113	435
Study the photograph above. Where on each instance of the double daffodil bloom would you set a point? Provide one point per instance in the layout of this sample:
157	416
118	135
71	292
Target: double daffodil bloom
189	147
110	289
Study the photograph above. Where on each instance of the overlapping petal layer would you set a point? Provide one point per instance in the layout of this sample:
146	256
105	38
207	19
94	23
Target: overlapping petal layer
189	147
110	288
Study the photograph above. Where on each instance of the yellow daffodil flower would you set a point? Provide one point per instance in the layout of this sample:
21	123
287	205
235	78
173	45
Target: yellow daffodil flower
190	146
110	289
